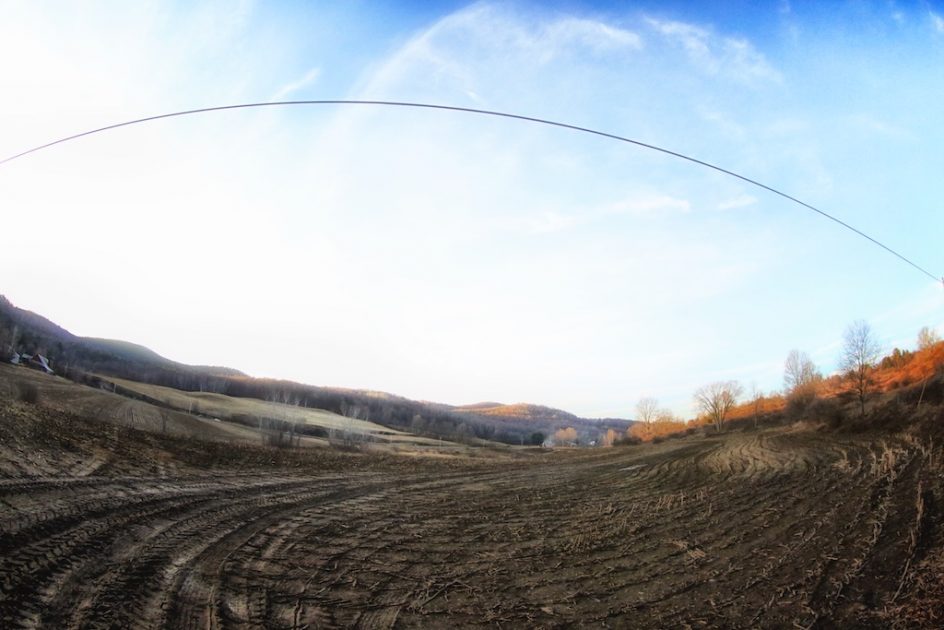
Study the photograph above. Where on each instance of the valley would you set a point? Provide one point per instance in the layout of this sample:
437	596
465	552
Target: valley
104	524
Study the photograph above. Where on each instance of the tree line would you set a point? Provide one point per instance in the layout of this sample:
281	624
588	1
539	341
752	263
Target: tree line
803	384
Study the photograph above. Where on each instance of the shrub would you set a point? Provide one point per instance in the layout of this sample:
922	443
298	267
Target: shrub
826	410
28	393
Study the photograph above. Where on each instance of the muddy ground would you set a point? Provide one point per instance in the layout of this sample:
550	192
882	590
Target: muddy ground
108	526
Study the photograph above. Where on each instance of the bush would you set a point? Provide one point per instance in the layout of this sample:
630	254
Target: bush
28	393
800	404
827	410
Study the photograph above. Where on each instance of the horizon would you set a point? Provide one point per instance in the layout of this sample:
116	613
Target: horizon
437	256
743	402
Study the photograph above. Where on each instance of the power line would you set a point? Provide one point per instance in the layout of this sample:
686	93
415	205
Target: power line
484	112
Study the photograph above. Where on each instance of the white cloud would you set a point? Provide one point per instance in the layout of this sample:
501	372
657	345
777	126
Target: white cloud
289	88
448	53
741	201
590	34
649	204
867	122
937	21
551	221
732	57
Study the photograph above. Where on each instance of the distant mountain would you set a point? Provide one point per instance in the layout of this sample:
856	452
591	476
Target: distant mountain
539	416
521	411
135	352
25	331
76	357
31	322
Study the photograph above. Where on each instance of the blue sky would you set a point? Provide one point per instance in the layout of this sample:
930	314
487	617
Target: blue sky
458	258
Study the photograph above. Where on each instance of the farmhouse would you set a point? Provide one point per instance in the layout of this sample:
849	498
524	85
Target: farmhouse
35	361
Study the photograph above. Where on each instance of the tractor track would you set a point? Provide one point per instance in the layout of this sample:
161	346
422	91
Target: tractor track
774	528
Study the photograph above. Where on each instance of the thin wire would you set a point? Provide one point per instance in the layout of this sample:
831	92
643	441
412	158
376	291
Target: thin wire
484	112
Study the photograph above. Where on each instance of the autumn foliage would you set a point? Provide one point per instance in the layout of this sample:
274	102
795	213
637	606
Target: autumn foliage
655	429
565	437
901	368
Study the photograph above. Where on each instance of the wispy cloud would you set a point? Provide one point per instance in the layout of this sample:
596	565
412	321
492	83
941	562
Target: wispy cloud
653	205
489	35
551	221
290	88
591	34
732	57
936	21
741	201
648	204
872	124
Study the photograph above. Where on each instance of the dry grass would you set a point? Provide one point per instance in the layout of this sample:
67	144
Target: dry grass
228	407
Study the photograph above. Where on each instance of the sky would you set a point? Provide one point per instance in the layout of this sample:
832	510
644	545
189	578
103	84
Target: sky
460	258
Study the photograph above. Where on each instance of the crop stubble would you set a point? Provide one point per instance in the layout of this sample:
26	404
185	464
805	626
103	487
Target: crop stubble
774	528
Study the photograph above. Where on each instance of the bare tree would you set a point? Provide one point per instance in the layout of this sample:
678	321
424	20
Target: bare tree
799	372
927	337
647	409
860	351
800	380
756	396
717	399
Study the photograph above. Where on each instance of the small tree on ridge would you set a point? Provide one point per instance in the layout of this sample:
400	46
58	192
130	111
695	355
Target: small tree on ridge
860	351
647	409
716	400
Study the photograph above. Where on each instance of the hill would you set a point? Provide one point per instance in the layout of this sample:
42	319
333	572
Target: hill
80	357
25	331
524	411
544	419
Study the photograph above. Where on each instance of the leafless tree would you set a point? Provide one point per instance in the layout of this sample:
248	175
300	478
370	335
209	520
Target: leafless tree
927	337
800	379
799	372
647	409
756	396
717	399
860	351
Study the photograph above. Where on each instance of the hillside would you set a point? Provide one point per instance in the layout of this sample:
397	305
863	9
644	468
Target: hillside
78	357
542	418
522	411
25	331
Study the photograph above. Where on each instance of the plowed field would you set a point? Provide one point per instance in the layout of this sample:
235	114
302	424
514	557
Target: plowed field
773	528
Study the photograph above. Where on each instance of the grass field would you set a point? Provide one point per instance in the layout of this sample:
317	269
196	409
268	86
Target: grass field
104	525
209	416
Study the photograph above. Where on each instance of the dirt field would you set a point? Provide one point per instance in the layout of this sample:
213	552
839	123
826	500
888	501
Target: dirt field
106	526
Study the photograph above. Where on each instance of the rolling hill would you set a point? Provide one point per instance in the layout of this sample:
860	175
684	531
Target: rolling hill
78	357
